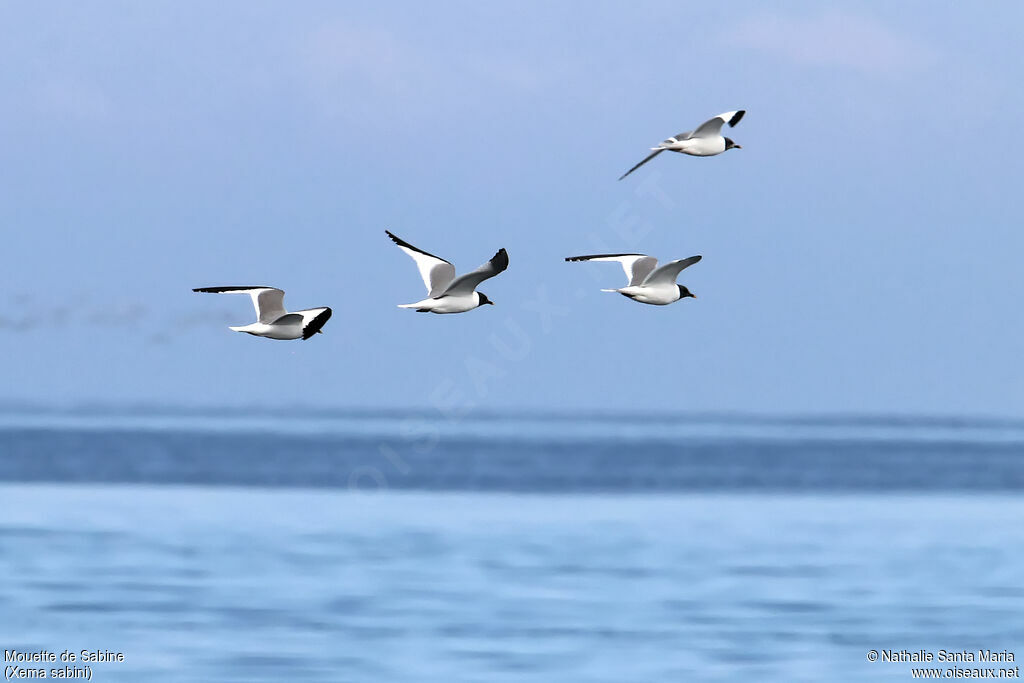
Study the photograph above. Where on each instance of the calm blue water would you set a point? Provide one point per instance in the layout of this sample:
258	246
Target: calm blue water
371	548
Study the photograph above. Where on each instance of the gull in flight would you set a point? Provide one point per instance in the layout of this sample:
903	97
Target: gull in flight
445	292
647	283
273	321
704	141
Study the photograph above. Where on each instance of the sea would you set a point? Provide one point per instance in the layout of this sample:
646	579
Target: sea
165	545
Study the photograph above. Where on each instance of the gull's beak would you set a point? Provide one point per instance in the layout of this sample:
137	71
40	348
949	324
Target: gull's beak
693	296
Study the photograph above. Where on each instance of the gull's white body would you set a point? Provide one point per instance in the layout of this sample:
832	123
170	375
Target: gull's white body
447	304
656	295
697	147
273	321
648	284
445	292
291	328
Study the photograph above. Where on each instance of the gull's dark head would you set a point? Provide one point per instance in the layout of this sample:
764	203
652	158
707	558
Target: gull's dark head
684	292
484	299
729	144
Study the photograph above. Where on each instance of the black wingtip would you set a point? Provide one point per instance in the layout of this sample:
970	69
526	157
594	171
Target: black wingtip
402	243
316	324
736	117
399	241
222	290
588	257
500	260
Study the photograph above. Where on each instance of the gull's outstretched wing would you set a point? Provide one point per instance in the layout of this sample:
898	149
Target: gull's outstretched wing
467	284
713	127
646	159
637	266
437	273
668	273
268	301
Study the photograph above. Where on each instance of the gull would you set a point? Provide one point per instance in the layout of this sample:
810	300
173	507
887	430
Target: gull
275	322
704	141
647	283
445	292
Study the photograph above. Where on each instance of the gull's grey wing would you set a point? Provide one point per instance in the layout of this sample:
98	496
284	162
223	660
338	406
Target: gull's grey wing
637	266
269	304
668	273
713	127
268	301
289	319
437	273
466	284
646	159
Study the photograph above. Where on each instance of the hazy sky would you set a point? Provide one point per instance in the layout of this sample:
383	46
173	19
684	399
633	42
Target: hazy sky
861	252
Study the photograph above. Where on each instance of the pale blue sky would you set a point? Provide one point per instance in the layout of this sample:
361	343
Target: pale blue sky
861	252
